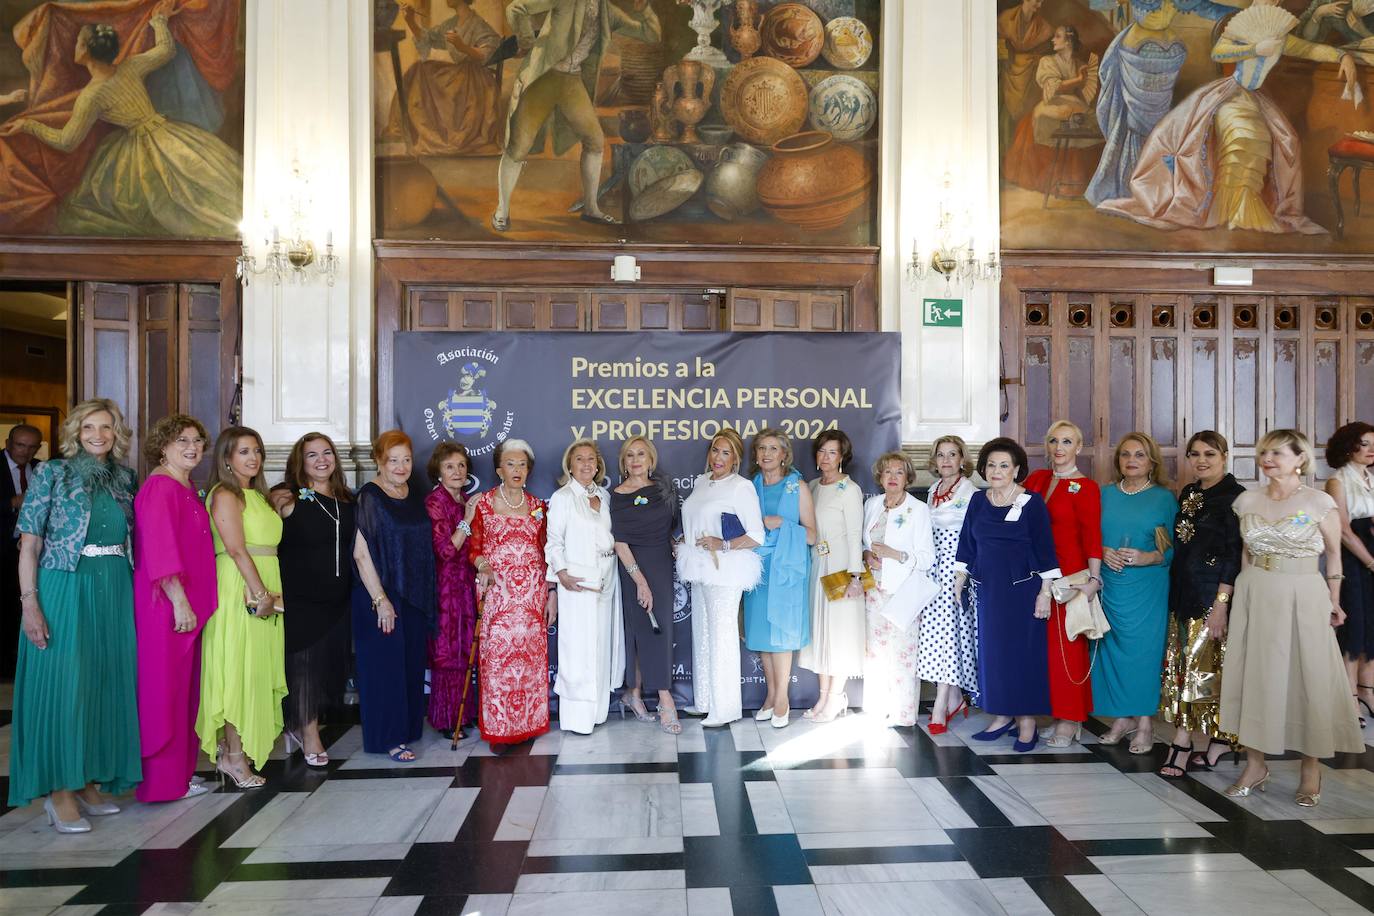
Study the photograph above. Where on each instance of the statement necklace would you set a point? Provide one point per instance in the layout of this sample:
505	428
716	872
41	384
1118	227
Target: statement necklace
334	516
590	490
501	491
1071	472
945	497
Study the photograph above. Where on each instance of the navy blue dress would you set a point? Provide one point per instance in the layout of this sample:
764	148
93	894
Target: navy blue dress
1005	560
391	666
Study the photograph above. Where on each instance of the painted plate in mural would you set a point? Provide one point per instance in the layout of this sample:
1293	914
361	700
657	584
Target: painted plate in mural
764	100
793	34
655	164
848	42
843	107
666	195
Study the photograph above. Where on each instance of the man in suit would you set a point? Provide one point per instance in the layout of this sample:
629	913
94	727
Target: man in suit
20	447
558	82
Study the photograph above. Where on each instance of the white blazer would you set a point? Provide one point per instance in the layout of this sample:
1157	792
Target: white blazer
908	585
579	537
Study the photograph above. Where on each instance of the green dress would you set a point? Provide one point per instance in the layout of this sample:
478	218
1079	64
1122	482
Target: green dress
243	658
76	702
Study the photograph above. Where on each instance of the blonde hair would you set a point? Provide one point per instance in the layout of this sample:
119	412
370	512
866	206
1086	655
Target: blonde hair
965	462
1063	424
224	474
648	447
567	460
69	439
771	433
901	458
1157	472
1291	439
733	440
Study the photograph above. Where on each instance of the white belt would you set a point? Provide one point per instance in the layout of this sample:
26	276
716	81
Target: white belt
95	550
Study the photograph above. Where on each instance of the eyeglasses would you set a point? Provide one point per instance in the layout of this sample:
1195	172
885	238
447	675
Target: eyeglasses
183	441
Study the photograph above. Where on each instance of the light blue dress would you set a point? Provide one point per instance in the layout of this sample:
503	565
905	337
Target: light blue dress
777	613
1126	673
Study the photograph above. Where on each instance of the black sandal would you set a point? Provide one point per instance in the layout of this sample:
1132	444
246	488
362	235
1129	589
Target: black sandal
1362	702
1172	760
1201	760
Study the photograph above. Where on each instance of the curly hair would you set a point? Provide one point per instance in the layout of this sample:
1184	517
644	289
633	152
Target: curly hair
165	431
102	41
513	445
1345	442
69	439
1007	446
903	461
965	462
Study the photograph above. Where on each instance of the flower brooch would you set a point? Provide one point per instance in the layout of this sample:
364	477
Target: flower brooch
641	500
792	486
1074	486
537	513
306	494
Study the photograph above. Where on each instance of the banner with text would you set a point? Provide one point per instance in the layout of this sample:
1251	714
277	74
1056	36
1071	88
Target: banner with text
677	389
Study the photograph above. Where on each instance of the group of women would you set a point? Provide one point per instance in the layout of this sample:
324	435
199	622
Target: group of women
156	621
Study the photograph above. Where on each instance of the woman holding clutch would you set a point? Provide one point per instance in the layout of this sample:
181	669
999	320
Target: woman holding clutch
721	524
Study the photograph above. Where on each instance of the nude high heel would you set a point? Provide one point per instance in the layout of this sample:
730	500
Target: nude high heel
1241	791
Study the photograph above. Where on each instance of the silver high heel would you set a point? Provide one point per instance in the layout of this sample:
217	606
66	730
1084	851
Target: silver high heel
97	810
1241	791
80	825
642	718
1054	739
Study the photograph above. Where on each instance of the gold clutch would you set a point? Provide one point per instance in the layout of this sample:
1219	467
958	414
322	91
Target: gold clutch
837	583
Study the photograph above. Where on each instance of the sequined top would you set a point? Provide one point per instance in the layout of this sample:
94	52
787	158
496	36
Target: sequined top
1207	547
1286	528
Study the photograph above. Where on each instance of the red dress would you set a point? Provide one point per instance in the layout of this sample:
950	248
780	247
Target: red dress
513	653
1076	523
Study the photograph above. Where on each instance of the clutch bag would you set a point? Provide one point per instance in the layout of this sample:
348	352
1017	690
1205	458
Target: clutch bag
837	583
730	526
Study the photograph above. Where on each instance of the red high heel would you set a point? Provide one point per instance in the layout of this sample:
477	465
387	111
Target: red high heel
939	728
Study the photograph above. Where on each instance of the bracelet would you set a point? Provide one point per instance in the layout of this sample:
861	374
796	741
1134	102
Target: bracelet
464	527
724	544
377	600
903	559
1336	578
23	596
258	596
631	570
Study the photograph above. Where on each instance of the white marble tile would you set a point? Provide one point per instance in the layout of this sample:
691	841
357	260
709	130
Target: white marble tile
1163	864
745	733
348	906
363	811
486	905
1104	896
522	813
1253	893
613	779
448	817
1165	790
269	818
334	889
37	897
1349	793
947	898
1133	831
432	750
693	737
699	817
844	775
170	909
348	744
708	901
965	729
1016	809
397	906
192	821
93	858
562	882
893	871
610	811
619	742
1086	768
1319	893
860	838
1111	799
844	803
1338	825
85	909
1364	874
599	903
1016	897
849	737
607	846
110	837
940	803
770	812
795	900
351	852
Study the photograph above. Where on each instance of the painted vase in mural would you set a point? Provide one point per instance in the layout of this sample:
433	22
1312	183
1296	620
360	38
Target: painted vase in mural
641	67
814	182
744	31
764	100
634	125
793	34
843	107
661	116
689	86
848	43
732	188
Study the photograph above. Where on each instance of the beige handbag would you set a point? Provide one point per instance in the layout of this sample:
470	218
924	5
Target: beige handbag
1082	615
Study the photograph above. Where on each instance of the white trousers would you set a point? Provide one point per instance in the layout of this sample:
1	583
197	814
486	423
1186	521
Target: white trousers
715	652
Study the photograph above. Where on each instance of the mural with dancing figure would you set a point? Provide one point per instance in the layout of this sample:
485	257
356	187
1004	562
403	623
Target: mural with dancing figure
122	118
1186	125
702	121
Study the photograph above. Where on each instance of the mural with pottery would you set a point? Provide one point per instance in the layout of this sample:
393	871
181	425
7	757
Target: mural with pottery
1186	125
700	121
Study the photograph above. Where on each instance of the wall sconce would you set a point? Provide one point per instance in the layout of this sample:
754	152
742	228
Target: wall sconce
948	258
292	259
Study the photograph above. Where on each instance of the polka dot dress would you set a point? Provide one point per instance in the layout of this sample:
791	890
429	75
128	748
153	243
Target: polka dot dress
947	646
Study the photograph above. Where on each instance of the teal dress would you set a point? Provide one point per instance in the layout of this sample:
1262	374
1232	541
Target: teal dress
75	702
1127	673
777	613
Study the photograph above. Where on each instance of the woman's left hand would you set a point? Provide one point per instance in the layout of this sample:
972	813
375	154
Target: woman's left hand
1042	606
855	589
645	595
710	542
551	608
1337	615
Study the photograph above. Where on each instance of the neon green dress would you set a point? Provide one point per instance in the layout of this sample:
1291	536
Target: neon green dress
243	668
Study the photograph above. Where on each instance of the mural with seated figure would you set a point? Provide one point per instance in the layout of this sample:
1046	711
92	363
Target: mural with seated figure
1186	125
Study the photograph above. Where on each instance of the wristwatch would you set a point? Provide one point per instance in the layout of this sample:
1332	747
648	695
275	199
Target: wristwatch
1223	598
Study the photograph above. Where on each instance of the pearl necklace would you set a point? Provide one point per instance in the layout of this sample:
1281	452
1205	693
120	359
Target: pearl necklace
992	499
501	491
1071	472
1121	485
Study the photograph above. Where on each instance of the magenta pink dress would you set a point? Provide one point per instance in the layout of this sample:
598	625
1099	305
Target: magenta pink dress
171	538
451	644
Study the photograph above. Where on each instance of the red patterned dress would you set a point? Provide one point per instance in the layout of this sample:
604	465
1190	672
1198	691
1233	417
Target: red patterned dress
513	658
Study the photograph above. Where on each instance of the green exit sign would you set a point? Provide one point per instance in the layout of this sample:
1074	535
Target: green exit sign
942	313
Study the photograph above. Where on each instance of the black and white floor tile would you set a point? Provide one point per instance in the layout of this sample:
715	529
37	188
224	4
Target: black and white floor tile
843	819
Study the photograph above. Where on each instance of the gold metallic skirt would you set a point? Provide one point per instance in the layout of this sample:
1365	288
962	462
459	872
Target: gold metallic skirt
1191	696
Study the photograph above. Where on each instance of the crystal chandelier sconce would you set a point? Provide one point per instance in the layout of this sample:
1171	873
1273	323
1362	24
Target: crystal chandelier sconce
955	261
292	259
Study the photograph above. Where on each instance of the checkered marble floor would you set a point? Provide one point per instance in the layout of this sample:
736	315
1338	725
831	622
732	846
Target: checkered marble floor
843	818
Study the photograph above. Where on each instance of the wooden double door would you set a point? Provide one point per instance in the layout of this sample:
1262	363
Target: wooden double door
157	349
1172	364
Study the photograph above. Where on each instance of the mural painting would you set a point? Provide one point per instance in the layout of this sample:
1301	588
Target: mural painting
122	118
695	121
1186	125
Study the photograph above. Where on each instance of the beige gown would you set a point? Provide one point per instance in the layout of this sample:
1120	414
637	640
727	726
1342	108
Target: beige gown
838	628
1285	686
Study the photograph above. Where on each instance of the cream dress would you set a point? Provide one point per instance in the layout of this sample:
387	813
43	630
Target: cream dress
838	628
1285	686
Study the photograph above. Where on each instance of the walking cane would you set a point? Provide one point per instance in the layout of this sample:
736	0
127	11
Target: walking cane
458	733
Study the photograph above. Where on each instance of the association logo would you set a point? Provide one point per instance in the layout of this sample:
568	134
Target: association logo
469	412
682	600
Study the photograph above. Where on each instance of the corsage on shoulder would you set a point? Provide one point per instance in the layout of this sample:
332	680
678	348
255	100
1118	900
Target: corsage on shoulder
306	494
